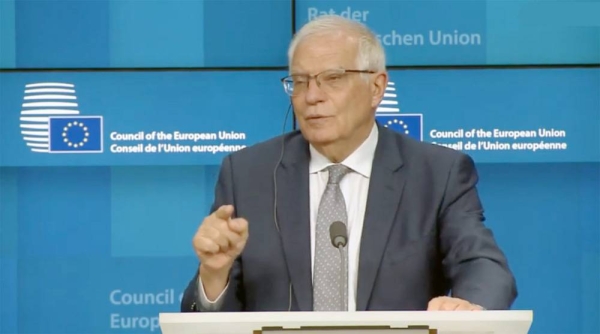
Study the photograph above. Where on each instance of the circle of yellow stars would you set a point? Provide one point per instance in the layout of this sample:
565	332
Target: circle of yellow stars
86	134
395	121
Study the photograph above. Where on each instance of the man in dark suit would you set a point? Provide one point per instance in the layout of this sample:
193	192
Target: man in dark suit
415	233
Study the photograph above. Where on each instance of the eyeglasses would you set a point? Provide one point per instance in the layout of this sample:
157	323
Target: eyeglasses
329	81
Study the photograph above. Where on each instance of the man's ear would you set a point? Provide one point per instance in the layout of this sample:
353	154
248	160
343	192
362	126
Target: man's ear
378	86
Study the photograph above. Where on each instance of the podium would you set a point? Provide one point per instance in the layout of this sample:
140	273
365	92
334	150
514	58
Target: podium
369	322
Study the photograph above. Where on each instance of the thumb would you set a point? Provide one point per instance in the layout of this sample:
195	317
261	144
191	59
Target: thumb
224	212
435	304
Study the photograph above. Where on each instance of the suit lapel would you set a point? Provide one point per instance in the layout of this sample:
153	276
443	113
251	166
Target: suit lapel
385	190
293	214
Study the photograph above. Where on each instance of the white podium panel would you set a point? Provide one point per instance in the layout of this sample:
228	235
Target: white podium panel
445	322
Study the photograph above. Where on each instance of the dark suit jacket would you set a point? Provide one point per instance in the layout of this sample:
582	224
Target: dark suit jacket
423	233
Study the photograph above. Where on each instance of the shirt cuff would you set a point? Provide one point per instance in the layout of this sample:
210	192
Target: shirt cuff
207	305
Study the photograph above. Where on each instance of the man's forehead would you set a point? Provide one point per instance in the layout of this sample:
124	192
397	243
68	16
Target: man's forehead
326	41
317	53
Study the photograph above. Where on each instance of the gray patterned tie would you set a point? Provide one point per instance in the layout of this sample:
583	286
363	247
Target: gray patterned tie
329	294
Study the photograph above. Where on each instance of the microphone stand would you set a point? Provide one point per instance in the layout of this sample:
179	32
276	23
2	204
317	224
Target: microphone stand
343	283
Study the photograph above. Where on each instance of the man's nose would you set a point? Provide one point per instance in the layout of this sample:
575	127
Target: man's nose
314	93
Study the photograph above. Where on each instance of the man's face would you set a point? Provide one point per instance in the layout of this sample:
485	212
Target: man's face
343	106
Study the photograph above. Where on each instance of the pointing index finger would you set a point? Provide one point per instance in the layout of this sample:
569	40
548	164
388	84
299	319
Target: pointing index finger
224	212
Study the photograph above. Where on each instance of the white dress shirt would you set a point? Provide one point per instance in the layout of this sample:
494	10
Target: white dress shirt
354	187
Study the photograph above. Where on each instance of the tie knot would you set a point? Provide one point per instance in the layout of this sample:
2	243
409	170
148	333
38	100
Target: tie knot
336	173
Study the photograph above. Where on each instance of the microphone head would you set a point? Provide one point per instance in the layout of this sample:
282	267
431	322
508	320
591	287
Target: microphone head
338	234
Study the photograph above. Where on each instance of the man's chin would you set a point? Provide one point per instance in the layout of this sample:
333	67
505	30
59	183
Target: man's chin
319	138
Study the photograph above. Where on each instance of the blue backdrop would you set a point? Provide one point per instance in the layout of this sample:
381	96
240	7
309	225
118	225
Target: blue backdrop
239	33
103	230
466	32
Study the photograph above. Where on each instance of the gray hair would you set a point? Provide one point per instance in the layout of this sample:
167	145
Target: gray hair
371	55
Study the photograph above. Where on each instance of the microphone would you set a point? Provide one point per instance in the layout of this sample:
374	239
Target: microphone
338	234
339	238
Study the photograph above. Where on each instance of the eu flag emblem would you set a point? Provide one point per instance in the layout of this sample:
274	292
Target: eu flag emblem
79	134
408	124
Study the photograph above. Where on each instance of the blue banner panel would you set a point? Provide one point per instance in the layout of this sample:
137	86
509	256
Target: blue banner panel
169	118
62	33
99	295
533	115
156	33
144	34
167	203
69	222
545	217
247	32
9	252
543	32
7	34
462	32
136	118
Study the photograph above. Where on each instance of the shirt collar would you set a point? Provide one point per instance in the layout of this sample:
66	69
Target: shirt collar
360	161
